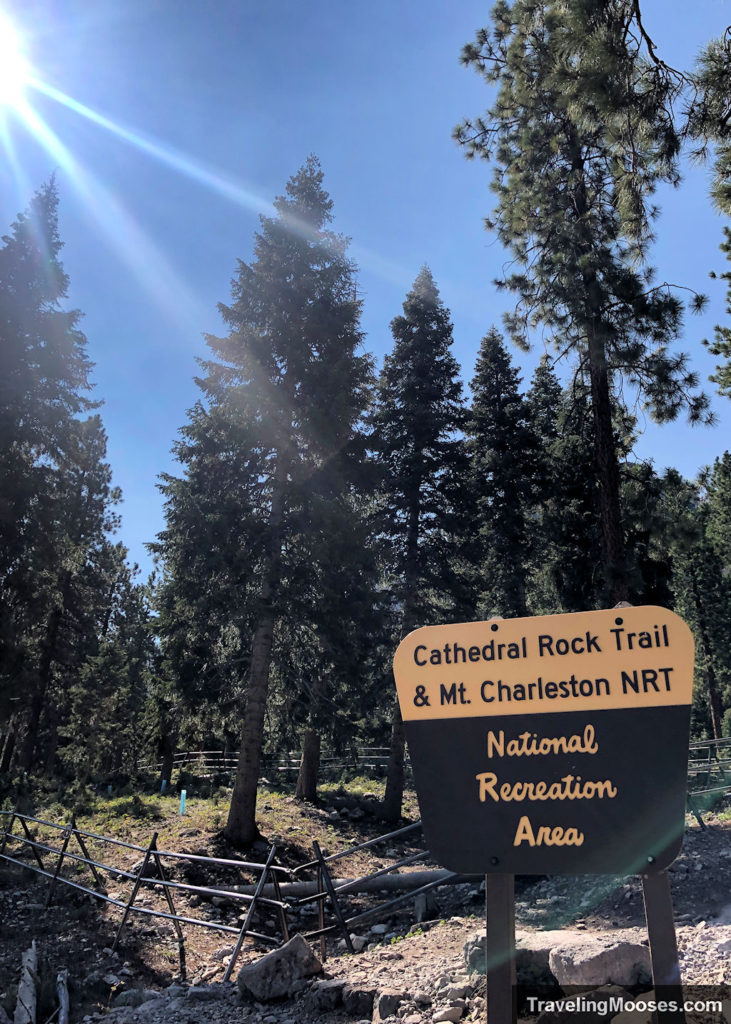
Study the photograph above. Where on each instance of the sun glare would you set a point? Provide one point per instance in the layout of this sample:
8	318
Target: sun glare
14	70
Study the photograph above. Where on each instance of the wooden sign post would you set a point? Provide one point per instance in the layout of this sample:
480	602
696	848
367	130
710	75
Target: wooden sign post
550	745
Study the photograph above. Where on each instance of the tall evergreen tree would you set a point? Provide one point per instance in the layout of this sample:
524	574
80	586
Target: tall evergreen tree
44	377
417	423
504	458
76	569
277	434
709	124
58	565
565	534
702	594
103	729
582	133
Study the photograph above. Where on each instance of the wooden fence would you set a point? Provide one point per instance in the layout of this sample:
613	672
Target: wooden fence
207	763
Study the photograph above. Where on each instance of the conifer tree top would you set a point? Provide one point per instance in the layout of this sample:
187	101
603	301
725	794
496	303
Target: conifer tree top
305	199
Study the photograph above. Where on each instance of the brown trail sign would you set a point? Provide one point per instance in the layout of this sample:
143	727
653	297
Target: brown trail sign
551	745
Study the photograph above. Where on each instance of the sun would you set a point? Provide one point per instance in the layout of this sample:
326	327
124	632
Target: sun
14	68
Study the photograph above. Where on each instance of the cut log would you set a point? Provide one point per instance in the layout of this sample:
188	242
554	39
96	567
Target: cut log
25	1007
62	991
385	883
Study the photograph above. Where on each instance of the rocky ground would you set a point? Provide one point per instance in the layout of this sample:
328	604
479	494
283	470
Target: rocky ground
408	971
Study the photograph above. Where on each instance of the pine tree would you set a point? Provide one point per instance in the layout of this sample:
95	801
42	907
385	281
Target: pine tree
44	371
566	536
273	443
58	564
709	124
76	569
417	423
582	133
702	593
102	732
504	458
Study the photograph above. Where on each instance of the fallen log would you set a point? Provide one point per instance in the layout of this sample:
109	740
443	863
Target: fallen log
25	1007
384	883
62	991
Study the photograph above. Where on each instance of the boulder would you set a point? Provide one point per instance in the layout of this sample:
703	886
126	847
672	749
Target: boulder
207	993
594	961
386	1004
532	951
358	1000
570	957
326	995
136	997
589	1007
447	1014
279	973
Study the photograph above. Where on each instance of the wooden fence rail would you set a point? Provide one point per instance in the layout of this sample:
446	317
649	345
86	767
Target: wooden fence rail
17	846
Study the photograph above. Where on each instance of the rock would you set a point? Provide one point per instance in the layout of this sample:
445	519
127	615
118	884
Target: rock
223	952
93	984
207	993
422	998
326	995
457	992
358	1001
386	1004
447	1013
412	1018
425	907
359	943
279	973
135	997
379	929
589	1007
150	869
598	961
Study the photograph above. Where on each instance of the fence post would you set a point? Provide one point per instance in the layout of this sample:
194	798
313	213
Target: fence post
7	832
321	913
135	889
250	913
333	896
92	865
52	884
171	907
36	854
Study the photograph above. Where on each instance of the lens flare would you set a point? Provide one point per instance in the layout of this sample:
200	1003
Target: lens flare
14	70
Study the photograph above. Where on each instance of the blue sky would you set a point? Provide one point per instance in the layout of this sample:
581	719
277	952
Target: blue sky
196	112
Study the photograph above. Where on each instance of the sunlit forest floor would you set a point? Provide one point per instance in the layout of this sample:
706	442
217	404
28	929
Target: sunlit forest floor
77	932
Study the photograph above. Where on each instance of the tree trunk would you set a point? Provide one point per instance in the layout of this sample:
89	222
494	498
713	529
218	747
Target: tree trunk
241	827
43	682
52	745
9	747
309	766
605	451
167	754
714	698
393	797
607	467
